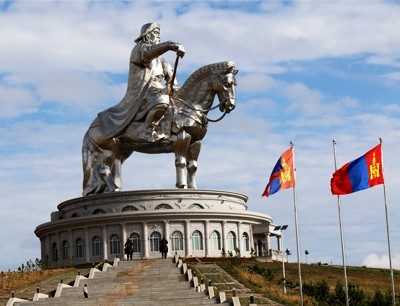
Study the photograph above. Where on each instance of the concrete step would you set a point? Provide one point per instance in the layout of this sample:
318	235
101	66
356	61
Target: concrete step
89	302
137	282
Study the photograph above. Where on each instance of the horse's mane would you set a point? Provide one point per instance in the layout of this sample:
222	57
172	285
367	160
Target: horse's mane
199	74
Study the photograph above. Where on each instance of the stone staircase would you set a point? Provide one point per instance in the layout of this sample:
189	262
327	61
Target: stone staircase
133	283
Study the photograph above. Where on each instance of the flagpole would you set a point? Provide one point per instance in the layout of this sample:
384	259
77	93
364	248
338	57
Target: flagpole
341	233
297	231
387	232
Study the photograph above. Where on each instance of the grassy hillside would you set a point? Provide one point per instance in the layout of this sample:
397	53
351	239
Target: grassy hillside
322	284
25	283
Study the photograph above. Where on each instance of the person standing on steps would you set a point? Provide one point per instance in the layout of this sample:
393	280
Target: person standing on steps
128	248
163	247
85	291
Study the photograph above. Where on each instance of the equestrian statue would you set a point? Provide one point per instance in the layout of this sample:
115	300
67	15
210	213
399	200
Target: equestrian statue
156	115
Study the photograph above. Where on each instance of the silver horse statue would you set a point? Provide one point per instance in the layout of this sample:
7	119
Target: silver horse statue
186	121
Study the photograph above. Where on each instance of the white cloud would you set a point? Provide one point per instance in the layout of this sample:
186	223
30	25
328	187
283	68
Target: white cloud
86	92
391	79
17	101
257	82
304	100
381	261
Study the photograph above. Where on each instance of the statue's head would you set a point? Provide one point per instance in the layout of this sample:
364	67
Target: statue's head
146	30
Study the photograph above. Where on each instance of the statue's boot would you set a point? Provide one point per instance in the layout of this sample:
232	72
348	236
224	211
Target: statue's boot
157	132
156	135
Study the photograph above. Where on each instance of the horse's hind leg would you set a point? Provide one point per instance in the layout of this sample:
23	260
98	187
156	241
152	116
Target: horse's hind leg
194	152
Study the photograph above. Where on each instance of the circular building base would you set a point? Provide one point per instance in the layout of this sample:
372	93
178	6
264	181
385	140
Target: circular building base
195	222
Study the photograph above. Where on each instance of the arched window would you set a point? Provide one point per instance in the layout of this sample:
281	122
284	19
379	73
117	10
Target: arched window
197	241
231	241
135	238
75	215
98	212
196	206
163	206
65	250
215	241
155	238
96	246
129	208
54	252
114	244
177	241
79	248
245	242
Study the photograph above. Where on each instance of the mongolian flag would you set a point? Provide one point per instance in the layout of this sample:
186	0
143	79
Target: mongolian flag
282	176
362	173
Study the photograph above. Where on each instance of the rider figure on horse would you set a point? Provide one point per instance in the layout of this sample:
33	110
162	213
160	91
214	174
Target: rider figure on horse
146	98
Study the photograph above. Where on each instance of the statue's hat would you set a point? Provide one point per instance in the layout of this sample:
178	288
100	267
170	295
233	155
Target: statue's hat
146	29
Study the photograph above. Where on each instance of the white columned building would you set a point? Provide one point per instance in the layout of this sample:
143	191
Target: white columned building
198	223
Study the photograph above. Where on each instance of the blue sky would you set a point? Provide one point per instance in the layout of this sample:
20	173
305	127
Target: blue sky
310	72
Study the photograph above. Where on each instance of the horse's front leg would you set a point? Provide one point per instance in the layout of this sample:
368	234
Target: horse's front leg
194	152
181	149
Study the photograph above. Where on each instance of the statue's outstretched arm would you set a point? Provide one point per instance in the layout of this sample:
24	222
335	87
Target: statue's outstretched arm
154	51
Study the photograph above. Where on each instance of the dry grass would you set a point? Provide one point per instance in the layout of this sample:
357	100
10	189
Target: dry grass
24	284
367	279
15	280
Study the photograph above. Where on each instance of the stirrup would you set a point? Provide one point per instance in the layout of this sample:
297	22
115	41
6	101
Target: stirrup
155	137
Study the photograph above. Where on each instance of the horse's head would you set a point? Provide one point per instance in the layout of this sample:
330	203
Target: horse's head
224	86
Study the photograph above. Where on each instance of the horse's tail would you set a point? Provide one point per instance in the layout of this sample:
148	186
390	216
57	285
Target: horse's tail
87	162
91	165
99	174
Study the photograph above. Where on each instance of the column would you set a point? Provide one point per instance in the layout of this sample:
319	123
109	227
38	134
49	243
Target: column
123	230
105	244
41	247
187	239
239	239
251	239
43	241
70	245
224	236
267	244
207	238
59	242
145	241
166	235
48	249
279	242
87	252
45	247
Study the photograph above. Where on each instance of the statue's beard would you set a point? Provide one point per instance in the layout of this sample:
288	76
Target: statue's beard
153	41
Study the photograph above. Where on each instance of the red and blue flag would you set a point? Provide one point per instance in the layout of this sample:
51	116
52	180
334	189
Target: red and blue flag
359	174
282	176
